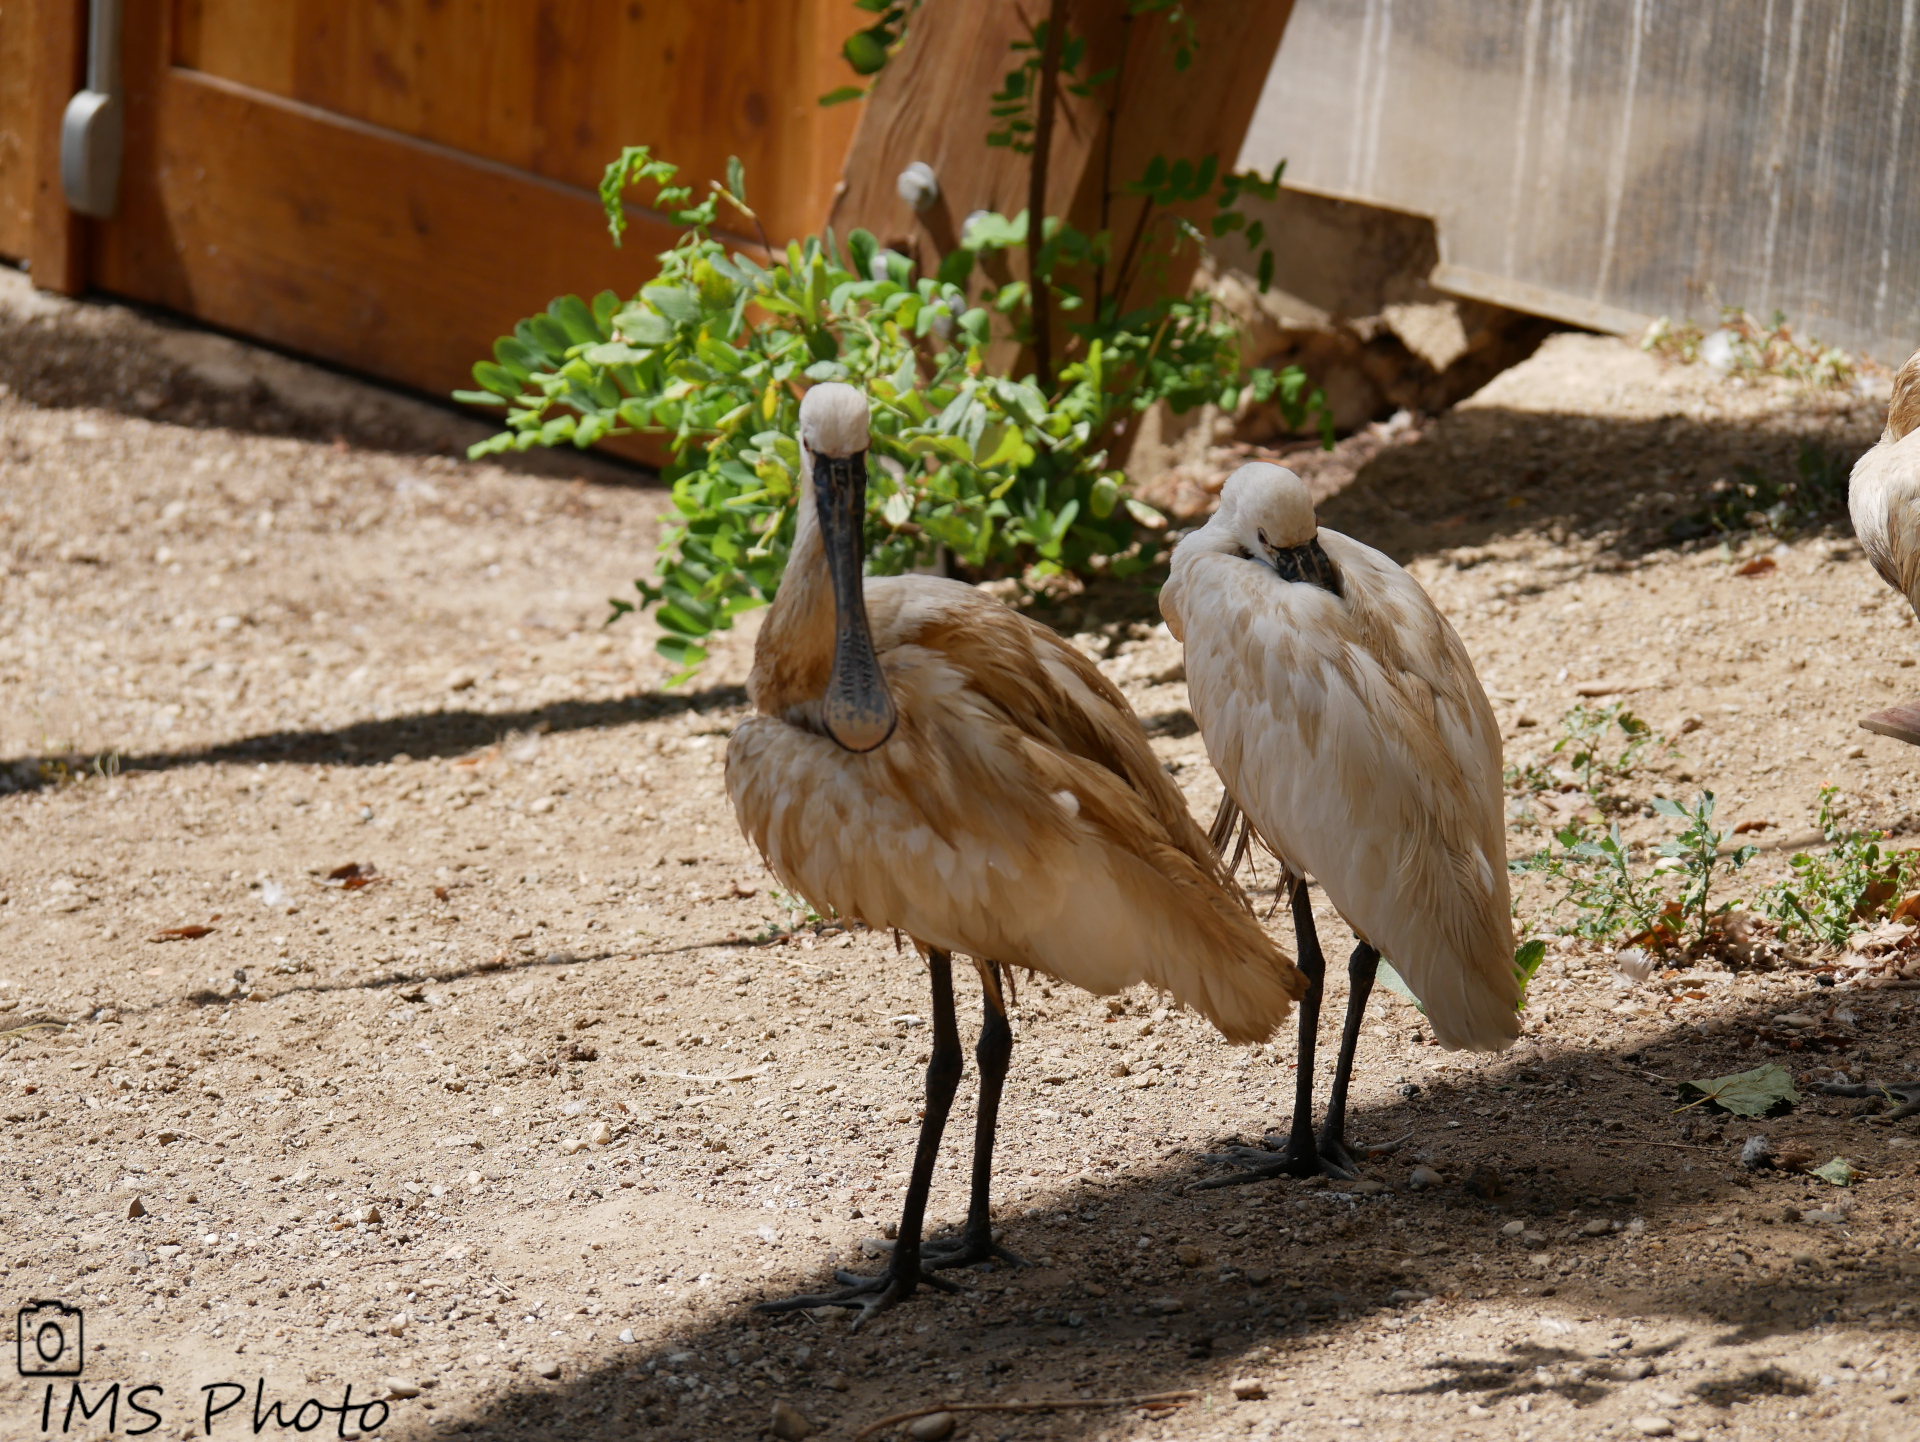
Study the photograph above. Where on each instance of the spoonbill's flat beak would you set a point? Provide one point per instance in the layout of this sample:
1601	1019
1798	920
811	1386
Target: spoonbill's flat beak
858	709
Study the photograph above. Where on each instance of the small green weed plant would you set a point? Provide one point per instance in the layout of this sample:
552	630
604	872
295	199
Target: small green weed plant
1615	899
1830	896
1591	748
1752	347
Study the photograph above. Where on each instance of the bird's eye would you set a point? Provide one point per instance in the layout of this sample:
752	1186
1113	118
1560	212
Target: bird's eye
1261	532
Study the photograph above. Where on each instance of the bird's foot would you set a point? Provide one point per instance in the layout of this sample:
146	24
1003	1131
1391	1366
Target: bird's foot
1258	1164
972	1248
1906	1093
868	1295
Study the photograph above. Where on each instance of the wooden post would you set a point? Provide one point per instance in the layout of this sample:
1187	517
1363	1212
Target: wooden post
931	103
57	254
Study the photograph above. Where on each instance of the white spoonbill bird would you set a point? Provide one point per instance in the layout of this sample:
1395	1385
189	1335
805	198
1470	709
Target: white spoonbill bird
1883	494
1345	719
925	759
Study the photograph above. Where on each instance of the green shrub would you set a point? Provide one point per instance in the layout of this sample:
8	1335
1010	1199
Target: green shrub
1830	896
714	354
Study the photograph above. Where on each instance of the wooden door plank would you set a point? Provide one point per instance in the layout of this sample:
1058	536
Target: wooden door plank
56	243
16	132
388	255
557	87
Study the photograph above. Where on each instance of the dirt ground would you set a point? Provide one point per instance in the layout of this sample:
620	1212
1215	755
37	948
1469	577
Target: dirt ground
498	1090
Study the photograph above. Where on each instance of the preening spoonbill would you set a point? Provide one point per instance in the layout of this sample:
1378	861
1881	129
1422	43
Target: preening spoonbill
924	759
1883	495
1345	719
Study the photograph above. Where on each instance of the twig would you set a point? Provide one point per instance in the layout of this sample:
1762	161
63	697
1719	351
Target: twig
34	1026
1037	192
732	1076
1152	1399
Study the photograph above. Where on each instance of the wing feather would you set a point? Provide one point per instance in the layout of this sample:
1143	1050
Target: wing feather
1012	816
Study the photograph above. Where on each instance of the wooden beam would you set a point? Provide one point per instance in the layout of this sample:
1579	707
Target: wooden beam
57	242
931	104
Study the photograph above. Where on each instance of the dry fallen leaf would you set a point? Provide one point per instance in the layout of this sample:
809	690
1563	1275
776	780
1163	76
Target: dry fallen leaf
1758	566
1757	823
181	933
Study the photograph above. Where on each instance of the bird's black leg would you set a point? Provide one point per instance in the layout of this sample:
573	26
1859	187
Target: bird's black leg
897	1282
991	1054
1361	967
1301	1156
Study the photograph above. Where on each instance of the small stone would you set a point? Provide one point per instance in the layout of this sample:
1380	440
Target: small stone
547	1368
901	1113
601	1134
401	1387
788	1424
837	1383
1248	1389
366	1214
166	1137
1513	1229
1119	1068
573	1144
1757	1153
1485	1183
1165	1306
1190	1256
1651	1424
1257	1276
627	1335
136	1208
397	1325
1367	1187
1598	1227
1422	1178
1404	1296
934	1427
1639	1369
1474	1409
461	678
1797	1020
541	805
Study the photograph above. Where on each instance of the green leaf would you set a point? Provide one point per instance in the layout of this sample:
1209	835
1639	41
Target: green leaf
1386	976
840	95
1839	1172
497	379
676	303
866	50
1764	1091
1526	961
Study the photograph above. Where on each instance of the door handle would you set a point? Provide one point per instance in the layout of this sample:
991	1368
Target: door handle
91	130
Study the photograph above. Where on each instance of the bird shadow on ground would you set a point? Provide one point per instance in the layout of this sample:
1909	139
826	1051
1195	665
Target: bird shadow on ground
372	743
1144	1286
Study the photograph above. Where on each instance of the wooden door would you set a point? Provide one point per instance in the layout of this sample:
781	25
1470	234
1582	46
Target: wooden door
389	184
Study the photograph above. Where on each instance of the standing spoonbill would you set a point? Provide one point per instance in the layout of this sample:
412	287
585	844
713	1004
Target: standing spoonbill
1883	495
1345	719
925	759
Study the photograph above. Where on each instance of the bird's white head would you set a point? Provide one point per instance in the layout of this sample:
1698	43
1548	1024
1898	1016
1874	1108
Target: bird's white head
1267	509
833	421
857	708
